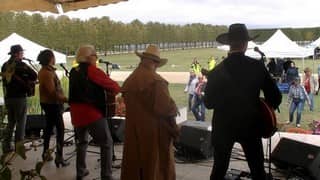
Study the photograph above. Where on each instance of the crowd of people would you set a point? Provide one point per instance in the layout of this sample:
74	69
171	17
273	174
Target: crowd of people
150	111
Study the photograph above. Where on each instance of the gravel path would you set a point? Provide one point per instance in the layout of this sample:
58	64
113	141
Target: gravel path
171	77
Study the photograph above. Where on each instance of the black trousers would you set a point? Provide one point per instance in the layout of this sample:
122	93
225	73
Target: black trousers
53	114
253	151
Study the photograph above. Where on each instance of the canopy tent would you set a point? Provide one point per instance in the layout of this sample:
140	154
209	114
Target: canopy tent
31	49
251	45
316	43
55	6
280	46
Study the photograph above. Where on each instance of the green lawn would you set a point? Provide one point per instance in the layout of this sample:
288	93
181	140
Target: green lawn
180	60
180	97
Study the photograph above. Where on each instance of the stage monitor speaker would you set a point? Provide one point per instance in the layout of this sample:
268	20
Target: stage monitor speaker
314	168
117	129
291	153
34	124
195	140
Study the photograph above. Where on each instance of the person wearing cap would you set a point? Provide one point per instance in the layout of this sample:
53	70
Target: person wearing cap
311	85
18	79
150	126
233	90
51	101
87	86
296	97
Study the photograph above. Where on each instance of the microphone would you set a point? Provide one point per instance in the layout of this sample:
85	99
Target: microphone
26	59
104	62
65	69
256	49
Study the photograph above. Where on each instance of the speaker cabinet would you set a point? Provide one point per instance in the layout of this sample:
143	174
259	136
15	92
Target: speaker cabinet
195	140
34	124
291	153
117	129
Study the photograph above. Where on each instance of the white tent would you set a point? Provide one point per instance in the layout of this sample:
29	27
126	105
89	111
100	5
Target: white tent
315	43
31	49
251	45
280	46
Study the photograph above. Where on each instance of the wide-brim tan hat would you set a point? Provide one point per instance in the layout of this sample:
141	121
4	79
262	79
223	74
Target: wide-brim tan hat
237	33
153	53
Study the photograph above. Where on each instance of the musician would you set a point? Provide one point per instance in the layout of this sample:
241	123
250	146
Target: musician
150	122
233	90
51	101
87	87
16	77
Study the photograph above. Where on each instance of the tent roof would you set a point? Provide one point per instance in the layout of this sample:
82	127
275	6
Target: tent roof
280	46
251	45
316	43
31	49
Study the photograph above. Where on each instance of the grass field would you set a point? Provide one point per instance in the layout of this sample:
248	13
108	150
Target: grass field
180	60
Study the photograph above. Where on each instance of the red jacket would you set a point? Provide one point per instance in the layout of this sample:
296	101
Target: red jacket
83	114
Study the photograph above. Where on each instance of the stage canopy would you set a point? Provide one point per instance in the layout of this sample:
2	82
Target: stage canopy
31	49
280	46
251	45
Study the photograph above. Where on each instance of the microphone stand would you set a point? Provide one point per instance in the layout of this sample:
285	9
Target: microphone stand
270	177
114	158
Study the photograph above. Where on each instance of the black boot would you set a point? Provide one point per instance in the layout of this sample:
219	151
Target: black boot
60	161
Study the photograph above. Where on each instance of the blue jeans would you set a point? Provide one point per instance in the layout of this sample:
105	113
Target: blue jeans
311	102
198	108
298	105
190	102
100	132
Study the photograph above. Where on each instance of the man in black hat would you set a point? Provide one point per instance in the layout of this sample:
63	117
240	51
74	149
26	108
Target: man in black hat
233	90
18	79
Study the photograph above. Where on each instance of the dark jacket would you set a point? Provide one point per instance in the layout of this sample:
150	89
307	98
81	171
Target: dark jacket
233	91
15	84
83	90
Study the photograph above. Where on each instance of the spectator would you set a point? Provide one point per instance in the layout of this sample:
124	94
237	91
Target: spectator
311	85
195	66
190	89
296	97
198	108
292	73
211	63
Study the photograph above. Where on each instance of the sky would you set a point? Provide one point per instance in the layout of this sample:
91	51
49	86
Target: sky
254	13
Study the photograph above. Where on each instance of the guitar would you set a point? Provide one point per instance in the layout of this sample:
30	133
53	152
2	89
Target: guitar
269	119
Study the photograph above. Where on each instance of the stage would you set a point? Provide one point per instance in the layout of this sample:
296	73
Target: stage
185	169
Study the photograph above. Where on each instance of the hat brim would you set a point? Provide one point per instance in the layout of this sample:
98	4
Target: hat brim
224	38
161	61
10	53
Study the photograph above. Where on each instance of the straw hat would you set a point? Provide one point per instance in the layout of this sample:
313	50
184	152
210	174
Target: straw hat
307	69
237	33
153	53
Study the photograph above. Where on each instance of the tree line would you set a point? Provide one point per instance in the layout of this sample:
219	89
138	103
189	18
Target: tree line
65	34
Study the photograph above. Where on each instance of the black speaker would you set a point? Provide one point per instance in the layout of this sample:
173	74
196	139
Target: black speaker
117	128
34	124
314	168
291	153
195	140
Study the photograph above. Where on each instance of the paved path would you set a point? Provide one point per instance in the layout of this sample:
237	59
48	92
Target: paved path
171	77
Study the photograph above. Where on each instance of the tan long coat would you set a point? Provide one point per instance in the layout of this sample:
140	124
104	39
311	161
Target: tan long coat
150	127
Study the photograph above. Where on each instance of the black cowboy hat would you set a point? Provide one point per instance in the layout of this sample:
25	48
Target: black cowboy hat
237	33
15	49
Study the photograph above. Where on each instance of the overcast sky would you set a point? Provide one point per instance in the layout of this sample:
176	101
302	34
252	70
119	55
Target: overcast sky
254	13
